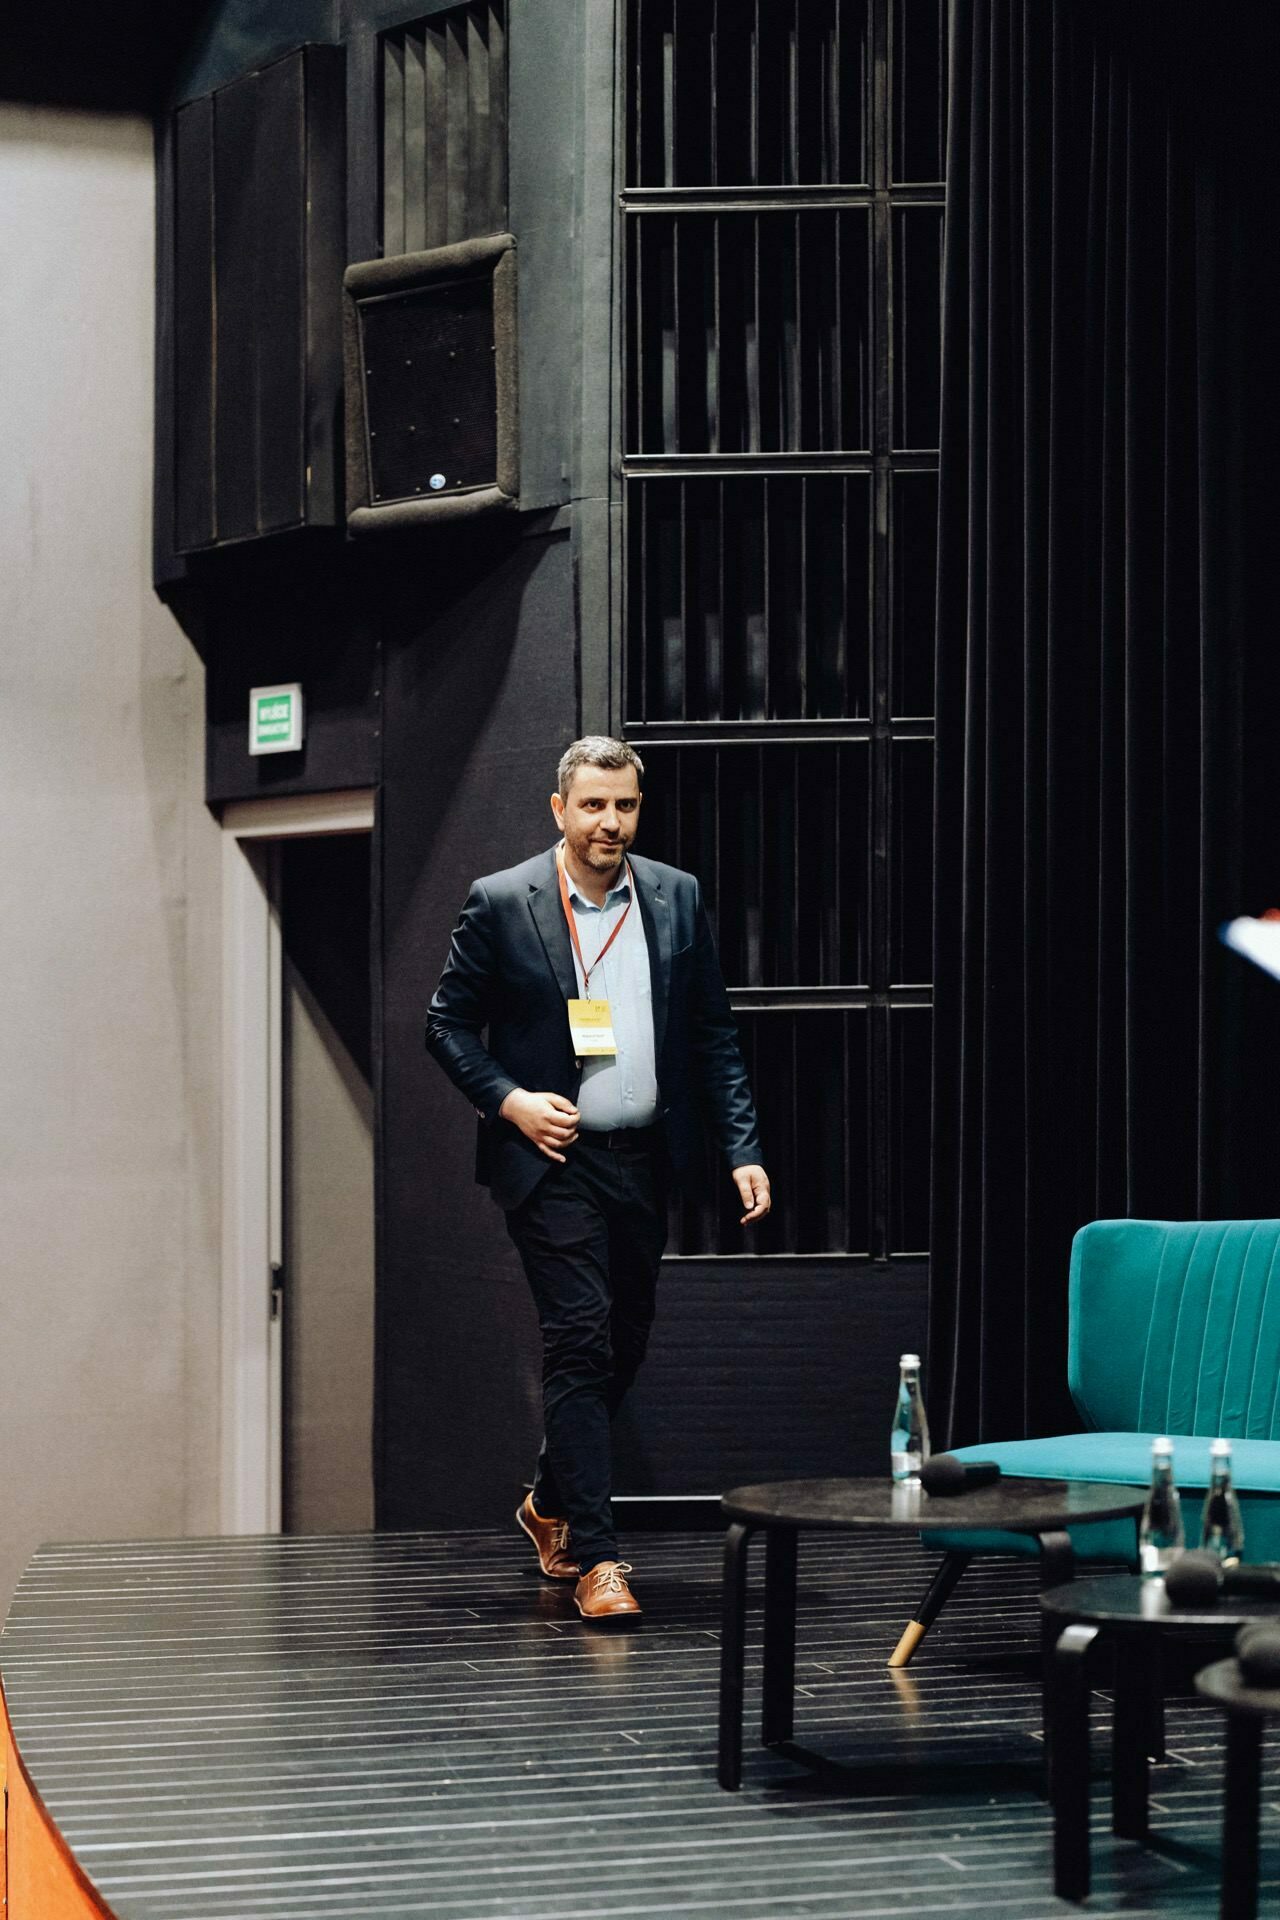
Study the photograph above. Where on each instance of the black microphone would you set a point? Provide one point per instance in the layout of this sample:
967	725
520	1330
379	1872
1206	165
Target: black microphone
942	1474
1196	1580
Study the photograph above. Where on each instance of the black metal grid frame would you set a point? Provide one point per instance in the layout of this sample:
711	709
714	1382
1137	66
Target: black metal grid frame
898	1069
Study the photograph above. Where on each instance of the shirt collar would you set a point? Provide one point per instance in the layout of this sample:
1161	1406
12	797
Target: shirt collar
620	890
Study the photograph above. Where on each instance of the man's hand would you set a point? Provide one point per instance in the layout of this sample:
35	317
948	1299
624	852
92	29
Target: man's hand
548	1119
753	1191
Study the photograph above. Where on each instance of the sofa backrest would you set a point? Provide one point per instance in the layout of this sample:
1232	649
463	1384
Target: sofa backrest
1175	1327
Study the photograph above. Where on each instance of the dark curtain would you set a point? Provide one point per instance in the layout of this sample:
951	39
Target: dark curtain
1107	662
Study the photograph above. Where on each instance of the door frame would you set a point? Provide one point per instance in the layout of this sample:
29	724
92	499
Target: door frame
251	1370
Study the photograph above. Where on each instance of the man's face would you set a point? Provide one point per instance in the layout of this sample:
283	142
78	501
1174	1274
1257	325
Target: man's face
599	817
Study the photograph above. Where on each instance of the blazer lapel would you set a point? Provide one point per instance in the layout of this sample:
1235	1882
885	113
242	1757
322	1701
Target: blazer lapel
655	912
548	918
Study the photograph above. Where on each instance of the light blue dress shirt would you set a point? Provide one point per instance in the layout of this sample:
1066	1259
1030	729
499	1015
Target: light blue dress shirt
621	1091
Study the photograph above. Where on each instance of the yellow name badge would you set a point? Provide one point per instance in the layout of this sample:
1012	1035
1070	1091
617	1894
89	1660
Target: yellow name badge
591	1027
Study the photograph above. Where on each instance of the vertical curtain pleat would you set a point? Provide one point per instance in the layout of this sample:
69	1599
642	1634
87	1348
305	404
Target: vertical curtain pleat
1106	669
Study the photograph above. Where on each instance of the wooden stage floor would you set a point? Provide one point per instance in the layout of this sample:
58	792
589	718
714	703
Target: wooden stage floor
417	1724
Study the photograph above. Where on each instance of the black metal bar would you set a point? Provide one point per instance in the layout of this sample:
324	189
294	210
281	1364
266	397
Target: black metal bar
749	465
745	732
802	663
669	103
711	324
755	92
715	664
673	424
635	433
813	196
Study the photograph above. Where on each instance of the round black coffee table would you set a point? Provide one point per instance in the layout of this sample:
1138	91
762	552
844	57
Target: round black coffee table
780	1509
1247	1709
1134	1616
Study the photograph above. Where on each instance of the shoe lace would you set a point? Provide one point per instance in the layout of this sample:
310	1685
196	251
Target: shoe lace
611	1579
560	1537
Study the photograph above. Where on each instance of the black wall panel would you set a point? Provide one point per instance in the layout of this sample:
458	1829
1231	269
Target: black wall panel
188	501
253	342
772	584
278	618
776	1372
479	700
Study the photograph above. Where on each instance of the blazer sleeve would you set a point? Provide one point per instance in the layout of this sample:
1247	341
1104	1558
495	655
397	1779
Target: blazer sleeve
721	1069
461	1007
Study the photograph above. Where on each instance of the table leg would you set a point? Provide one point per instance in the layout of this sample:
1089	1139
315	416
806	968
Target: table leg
1057	1559
1155	1700
1068	1691
1137	1679
1057	1567
778	1718
941	1587
1240	1818
733	1646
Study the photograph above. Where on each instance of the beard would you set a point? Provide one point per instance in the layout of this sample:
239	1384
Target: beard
591	854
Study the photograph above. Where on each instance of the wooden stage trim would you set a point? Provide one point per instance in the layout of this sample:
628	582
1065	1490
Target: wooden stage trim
38	1878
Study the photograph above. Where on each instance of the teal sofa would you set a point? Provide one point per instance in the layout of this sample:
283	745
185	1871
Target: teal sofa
1174	1328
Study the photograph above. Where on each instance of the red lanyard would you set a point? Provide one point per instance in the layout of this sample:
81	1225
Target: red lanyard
587	971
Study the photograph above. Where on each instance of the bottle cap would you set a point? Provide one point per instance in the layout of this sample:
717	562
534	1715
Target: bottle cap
1220	1447
909	1360
1162	1444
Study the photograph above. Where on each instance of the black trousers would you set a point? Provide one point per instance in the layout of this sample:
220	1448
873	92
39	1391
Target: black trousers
590	1235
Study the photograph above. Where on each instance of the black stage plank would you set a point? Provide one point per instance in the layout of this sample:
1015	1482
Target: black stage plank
403	1724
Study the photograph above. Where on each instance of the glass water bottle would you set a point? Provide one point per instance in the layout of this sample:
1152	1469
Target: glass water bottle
1161	1537
909	1440
1221	1526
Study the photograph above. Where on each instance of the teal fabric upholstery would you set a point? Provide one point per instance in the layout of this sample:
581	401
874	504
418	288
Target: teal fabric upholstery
1174	1328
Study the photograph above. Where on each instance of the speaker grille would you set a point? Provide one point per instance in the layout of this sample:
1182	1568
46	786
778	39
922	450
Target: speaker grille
444	128
432	413
430	380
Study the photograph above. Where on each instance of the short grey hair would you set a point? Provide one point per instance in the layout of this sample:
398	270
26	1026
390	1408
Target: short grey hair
596	750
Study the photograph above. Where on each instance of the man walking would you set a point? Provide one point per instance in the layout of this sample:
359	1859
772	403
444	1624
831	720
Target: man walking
608	1029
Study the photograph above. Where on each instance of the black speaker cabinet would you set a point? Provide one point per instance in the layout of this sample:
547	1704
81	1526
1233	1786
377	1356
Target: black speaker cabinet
259	223
432	419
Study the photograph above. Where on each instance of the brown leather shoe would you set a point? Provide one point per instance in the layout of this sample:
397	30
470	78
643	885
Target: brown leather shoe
551	1538
603	1593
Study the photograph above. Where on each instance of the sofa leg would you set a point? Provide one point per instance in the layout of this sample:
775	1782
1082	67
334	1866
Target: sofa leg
941	1588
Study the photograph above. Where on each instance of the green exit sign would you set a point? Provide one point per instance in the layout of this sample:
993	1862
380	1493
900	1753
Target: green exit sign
275	719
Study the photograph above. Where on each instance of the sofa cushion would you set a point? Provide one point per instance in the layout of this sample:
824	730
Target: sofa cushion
1125	1460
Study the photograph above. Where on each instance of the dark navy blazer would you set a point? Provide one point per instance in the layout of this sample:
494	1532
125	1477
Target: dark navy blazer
510	970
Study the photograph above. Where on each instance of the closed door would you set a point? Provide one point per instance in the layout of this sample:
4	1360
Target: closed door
326	1296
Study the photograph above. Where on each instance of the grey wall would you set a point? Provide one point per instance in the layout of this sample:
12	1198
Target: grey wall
109	884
